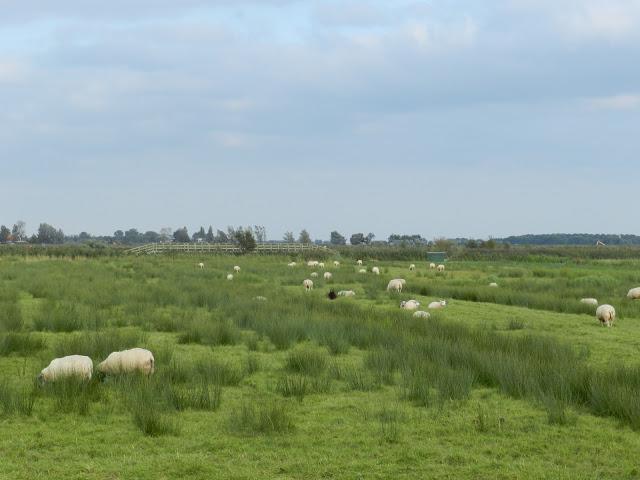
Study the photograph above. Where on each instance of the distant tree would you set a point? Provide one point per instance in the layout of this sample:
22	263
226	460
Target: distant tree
166	234
304	237
132	236
288	237
221	237
369	238
491	244
442	244
150	237
49	234
245	239
181	235
19	231
357	239
260	232
199	235
471	243
337	239
118	236
210	237
5	234
84	236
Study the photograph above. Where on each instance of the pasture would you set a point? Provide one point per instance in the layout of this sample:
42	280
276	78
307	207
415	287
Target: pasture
518	381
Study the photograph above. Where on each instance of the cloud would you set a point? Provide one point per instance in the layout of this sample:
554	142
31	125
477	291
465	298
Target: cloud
12	72
616	102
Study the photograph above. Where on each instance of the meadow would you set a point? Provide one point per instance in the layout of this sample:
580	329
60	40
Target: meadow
518	381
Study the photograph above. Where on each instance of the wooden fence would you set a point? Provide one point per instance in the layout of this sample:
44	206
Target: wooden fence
223	248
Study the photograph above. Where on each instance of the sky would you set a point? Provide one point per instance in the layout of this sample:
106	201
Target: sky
452	118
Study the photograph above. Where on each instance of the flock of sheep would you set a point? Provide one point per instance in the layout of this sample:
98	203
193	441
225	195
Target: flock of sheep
606	314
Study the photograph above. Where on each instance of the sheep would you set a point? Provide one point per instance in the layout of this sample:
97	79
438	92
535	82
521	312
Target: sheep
412	267
362	270
230	277
346	293
314	274
395	285
307	284
312	263
589	301
201	265
634	293
260	298
440	268
291	264
327	275
440	304
421	314
432	266
71	366
236	269
375	271
410	304
128	361
321	265
606	314
336	263
332	294
359	262
493	284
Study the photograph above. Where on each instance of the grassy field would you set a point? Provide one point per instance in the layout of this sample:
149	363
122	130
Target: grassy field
518	381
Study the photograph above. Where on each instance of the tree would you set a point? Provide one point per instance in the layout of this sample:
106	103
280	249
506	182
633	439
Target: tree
132	236
221	237
471	243
304	237
442	244
118	236
260	233
84	236
199	235
150	237
369	238
288	237
19	231
245	239
5	234
357	239
165	234
210	237
337	239
48	234
181	235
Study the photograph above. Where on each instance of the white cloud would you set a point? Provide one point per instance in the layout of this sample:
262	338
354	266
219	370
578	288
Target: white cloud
616	102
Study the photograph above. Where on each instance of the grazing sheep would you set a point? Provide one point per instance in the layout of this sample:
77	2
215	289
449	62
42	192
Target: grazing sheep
72	366
421	314
346	293
634	293
236	269
493	284
395	285
314	274
327	275
230	277
440	268
359	262
440	304
403	281
201	265
307	284
362	270
412	267
260	298
589	301
321	265
606	314
375	271
432	266
312	263
291	264
336	263
332	294
128	361
410	304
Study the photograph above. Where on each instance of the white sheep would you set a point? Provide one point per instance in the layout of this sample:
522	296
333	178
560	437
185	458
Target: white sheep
432	266
412	267
395	285
493	284
201	265
291	264
71	366
314	274
410	304
336	263
307	284
440	268
440	304
312	263
327	275
236	269
260	298
589	301
230	277
375	271
421	314
359	262
128	361
320	264
606	314
362	270
634	293
346	293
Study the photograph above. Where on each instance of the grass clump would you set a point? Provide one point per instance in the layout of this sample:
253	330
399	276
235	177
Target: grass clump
21	343
262	418
307	361
72	394
15	401
198	396
210	333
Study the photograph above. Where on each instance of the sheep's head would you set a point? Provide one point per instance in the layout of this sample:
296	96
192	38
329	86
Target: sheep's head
332	295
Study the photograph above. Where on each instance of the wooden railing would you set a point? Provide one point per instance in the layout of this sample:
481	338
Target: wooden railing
223	248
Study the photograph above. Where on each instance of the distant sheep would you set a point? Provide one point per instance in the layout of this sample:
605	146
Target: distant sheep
236	269
336	263
410	304
201	265
432	266
634	293
606	314
314	274
359	262
128	361
589	301
320	264
412	267
493	284
436	305
307	284
312	263
291	264
362	270
440	268
375	271
421	314
78	366
327	275
260	298
395	285
346	293
230	277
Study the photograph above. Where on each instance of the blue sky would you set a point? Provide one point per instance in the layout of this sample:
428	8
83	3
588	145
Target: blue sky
444	118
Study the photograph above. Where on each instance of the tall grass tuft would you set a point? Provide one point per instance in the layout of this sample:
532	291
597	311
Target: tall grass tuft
307	361
98	345
72	394
198	396
21	343
16	401
262	418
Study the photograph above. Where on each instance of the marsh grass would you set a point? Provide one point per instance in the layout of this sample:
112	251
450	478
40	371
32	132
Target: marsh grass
389	420
307	361
21	343
72	394
10	316
15	400
212	332
98	345
198	396
265	417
